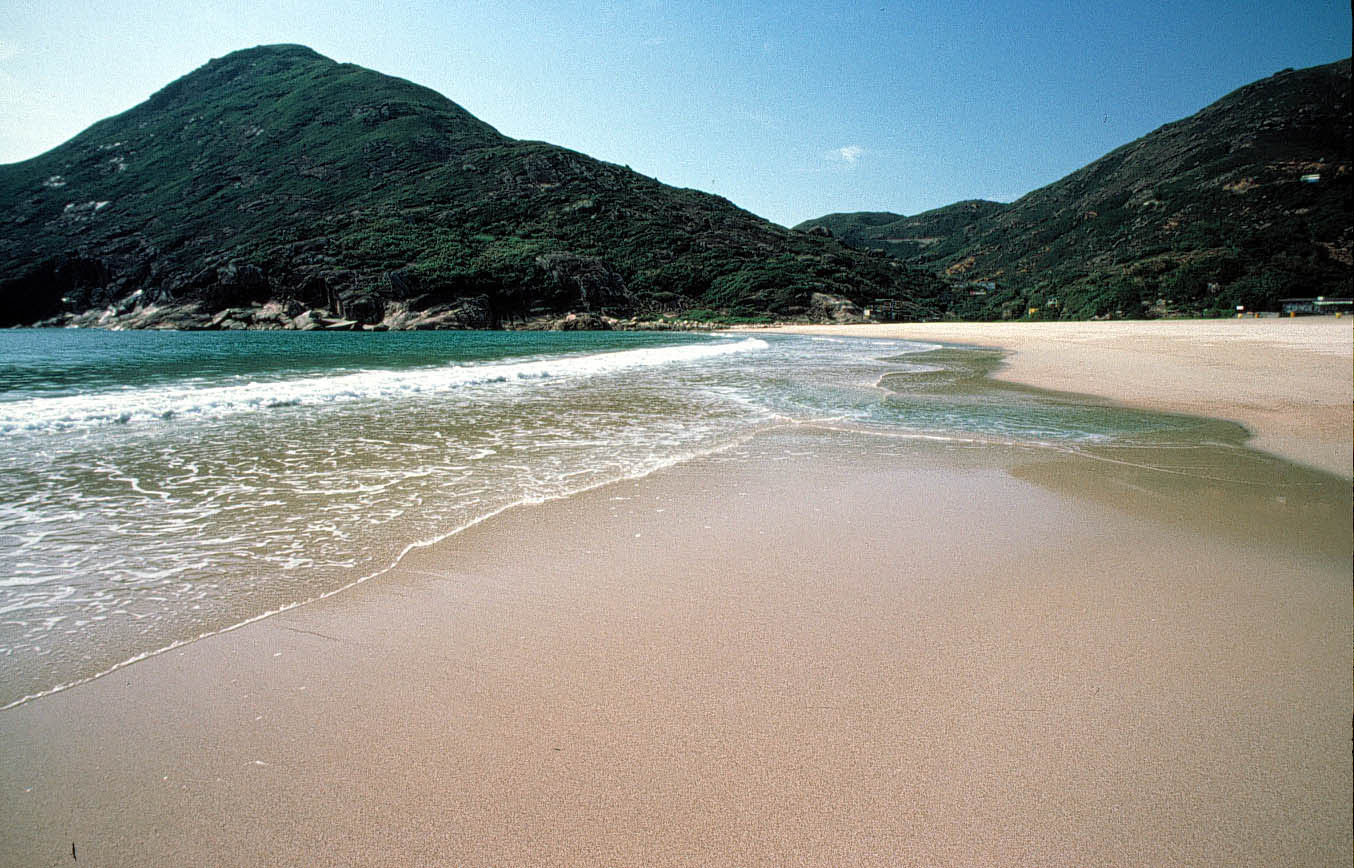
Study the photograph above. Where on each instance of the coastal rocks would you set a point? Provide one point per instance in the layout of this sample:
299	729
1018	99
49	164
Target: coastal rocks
580	322
573	322
398	316
834	308
321	320
183	317
231	319
475	312
309	321
273	315
362	307
279	312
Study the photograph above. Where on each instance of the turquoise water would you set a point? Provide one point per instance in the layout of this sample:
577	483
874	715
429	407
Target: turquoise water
160	486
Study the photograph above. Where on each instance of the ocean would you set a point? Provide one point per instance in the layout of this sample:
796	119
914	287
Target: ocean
157	487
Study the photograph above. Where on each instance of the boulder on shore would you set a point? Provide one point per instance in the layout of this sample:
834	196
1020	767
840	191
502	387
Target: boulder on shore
835	308
580	322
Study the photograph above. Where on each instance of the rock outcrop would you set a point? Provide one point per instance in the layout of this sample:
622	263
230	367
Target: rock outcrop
834	308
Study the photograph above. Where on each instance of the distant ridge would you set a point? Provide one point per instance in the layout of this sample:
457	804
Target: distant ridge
1246	202
276	188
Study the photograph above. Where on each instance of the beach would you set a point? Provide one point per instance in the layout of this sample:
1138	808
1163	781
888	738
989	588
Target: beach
814	645
1287	380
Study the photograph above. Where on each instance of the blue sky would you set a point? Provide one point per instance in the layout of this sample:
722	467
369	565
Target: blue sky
790	109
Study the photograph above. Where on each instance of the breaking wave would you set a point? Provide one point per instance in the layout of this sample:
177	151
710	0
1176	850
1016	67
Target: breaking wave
167	403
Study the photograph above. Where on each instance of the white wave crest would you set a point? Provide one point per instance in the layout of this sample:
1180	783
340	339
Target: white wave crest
76	412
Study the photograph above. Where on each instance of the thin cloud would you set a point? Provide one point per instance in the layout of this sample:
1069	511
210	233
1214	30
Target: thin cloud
848	154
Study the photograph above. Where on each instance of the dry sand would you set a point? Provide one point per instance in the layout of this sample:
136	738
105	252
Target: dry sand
818	649
1288	381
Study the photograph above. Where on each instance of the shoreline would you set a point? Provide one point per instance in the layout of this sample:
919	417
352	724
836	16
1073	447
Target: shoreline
866	330
818	647
1287	381
439	539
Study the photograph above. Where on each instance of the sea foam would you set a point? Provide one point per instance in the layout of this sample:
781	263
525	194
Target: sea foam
167	403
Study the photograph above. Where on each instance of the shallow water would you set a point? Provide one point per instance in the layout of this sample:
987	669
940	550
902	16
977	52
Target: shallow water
162	486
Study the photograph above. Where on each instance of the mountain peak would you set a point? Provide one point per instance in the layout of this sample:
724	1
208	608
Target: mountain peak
277	49
248	63
263	59
275	177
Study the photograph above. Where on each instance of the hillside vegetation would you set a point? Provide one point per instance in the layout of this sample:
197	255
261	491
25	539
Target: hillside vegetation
274	187
1244	203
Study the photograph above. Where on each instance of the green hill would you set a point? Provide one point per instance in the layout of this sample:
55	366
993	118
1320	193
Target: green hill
1246	202
275	183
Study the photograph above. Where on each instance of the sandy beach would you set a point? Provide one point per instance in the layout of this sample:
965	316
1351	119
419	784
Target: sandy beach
817	647
1286	380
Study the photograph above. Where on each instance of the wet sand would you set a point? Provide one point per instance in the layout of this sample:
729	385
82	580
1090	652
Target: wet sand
816	649
1288	381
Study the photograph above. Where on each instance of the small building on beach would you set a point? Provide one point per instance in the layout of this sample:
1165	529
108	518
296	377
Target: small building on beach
1319	305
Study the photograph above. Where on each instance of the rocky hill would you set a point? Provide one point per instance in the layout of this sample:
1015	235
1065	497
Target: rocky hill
277	188
1246	202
